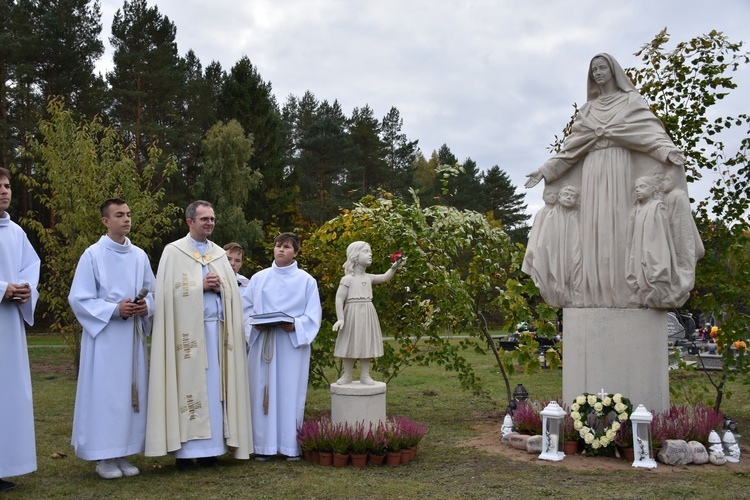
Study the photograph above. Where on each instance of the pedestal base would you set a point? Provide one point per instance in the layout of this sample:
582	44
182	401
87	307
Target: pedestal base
355	402
618	350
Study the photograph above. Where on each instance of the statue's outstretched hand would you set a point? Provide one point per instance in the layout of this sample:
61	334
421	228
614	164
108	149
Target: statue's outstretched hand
400	262
535	178
338	325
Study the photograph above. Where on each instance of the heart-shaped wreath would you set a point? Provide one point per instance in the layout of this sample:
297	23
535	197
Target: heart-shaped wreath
600	432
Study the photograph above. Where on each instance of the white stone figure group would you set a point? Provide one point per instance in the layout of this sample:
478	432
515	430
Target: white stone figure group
615	138
357	322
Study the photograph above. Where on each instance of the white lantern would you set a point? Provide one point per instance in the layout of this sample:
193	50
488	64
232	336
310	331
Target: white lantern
640	421
507	426
552	426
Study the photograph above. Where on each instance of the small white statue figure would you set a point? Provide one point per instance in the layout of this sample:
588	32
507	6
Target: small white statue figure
731	448
715	450
507	426
357	322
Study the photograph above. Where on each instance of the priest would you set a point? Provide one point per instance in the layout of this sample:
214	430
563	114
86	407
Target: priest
198	402
112	298
19	275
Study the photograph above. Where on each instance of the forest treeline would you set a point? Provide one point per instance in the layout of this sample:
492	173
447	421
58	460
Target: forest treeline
275	165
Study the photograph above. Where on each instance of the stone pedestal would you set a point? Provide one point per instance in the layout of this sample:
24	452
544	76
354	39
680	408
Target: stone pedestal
355	402
618	350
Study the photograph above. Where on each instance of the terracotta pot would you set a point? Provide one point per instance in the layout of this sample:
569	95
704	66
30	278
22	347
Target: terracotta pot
393	458
407	455
359	460
375	459
340	460
315	456
326	458
629	454
307	455
570	447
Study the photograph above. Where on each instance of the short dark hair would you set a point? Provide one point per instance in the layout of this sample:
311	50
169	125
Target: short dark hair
193	207
4	172
234	247
288	237
104	208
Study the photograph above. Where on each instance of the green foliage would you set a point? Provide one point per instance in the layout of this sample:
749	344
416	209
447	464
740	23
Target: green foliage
682	85
227	181
79	166
456	260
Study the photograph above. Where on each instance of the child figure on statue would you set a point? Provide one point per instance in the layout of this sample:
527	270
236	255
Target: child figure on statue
359	335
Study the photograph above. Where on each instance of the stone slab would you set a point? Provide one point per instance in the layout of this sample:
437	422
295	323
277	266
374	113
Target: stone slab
618	350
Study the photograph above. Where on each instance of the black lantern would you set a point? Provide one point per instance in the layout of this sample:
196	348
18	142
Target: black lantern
520	393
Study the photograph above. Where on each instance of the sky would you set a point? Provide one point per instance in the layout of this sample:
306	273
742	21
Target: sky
494	80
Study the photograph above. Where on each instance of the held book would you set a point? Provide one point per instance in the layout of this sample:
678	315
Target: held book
271	319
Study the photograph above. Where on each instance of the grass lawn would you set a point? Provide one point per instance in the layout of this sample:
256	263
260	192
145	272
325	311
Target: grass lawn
443	467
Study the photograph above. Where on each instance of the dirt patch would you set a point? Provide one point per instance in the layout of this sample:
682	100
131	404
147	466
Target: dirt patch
489	441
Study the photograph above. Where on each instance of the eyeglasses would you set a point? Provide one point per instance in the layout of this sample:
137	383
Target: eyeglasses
206	219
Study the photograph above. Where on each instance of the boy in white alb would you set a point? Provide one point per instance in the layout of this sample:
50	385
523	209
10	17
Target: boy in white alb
109	422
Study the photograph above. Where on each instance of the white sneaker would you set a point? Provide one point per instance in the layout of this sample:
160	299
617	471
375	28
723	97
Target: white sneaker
128	469
108	469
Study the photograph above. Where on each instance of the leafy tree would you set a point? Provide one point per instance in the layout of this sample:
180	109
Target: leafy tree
682	84
367	168
425	179
400	155
146	82
227	182
505	203
464	190
245	97
80	165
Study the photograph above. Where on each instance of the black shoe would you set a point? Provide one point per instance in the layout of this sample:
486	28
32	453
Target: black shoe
208	462
262	458
184	464
6	485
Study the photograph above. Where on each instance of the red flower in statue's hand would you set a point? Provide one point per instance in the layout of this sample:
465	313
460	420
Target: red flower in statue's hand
396	256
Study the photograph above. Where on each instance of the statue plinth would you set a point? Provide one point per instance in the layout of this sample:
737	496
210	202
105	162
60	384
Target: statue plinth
618	350
356	402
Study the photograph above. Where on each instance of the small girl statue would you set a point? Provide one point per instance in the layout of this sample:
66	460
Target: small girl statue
359	335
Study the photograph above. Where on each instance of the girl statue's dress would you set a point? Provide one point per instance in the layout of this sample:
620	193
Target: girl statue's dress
360	337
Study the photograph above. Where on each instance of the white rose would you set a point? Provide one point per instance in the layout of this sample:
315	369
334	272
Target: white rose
578	425
575	407
615	426
619	407
591	399
611	434
622	417
595	445
588	438
607	401
617	397
604	440
581	400
598	407
575	415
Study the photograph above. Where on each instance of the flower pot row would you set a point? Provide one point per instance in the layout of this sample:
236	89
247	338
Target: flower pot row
360	460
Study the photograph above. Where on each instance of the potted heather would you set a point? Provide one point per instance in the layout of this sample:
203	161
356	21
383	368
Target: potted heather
395	443
324	442
359	444
306	438
377	444
570	435
341	441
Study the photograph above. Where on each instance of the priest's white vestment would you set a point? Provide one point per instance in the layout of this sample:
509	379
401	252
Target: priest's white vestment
105	423
19	263
198	399
292	291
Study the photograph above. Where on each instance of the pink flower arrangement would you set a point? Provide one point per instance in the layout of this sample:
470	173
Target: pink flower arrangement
686	422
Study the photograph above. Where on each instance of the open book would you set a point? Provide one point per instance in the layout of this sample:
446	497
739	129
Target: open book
271	319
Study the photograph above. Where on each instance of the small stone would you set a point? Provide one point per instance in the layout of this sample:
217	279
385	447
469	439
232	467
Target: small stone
506	438
534	444
675	452
700	455
518	441
717	458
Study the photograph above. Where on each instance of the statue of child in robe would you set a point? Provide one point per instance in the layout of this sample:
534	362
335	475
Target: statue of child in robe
359	337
